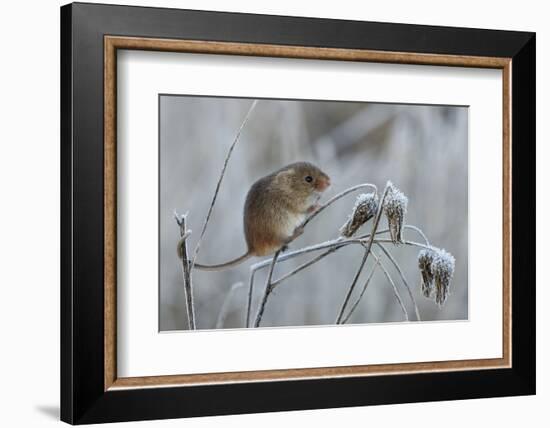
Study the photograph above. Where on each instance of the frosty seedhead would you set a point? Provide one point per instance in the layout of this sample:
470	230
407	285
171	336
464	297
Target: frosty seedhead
365	208
437	267
395	208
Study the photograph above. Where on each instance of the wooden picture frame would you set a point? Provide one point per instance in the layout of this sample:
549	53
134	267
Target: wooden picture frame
91	391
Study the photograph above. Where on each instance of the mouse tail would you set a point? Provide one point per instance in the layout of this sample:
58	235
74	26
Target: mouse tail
226	265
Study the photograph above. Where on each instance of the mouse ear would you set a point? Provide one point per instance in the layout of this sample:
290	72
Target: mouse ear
284	176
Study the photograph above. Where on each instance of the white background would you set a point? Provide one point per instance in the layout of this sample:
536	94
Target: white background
144	352
29	173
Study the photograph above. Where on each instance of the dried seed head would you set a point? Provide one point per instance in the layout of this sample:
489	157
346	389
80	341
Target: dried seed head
437	268
395	208
425	260
365	208
443	268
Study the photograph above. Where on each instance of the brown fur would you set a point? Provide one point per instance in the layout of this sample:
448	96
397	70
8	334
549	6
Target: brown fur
275	206
273	199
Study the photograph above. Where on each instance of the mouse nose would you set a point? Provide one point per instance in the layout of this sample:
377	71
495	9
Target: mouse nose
324	183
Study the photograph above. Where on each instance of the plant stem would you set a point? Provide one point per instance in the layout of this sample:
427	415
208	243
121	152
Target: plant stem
398	268
218	185
336	197
225	305
304	265
268	290
250	292
365	256
186	271
361	294
395	292
338	242
411	243
419	231
332	246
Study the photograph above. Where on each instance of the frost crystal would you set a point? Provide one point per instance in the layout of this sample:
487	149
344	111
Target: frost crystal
437	268
395	208
364	209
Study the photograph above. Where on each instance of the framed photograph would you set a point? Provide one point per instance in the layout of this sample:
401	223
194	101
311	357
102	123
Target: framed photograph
265	213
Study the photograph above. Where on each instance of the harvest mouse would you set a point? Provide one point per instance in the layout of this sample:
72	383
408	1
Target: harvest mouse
276	206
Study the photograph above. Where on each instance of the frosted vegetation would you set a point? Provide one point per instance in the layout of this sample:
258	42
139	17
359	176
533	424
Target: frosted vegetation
422	149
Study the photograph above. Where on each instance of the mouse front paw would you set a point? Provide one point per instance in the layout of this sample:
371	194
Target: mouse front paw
313	208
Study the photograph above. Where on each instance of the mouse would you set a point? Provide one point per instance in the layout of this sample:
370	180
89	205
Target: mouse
276	205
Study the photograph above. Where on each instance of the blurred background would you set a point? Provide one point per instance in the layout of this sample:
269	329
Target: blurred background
423	150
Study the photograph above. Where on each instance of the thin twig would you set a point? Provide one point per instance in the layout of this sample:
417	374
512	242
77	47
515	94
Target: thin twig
186	270
335	198
365	256
411	243
378	262
284	277
268	290
220	321
395	292
332	246
250	292
229	152
338	242
419	231
291	254
352	287
304	266
398	268
361	294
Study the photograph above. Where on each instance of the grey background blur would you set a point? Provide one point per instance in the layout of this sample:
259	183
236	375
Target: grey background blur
423	150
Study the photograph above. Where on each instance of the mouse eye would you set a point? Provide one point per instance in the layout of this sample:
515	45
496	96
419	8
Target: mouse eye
309	178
